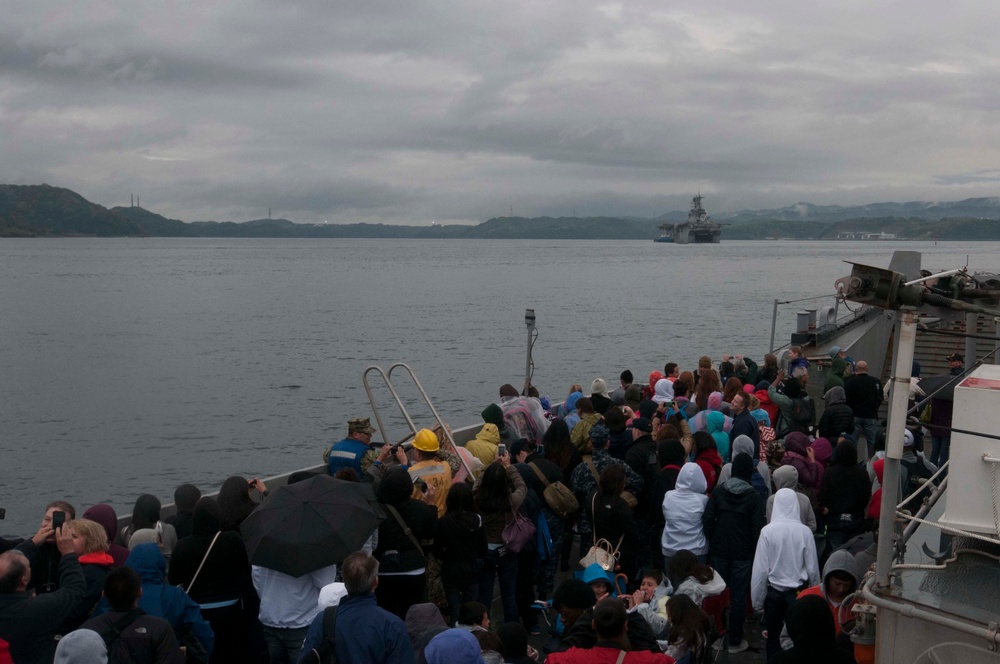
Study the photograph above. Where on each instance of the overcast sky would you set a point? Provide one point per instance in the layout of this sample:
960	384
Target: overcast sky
420	111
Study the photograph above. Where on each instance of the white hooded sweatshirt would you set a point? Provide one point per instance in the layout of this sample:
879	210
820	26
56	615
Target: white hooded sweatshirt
786	552
683	508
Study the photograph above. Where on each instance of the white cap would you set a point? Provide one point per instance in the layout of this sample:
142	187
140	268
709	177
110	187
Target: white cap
907	438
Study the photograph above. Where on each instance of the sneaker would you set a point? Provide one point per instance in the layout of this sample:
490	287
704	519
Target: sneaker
717	644
739	647
536	630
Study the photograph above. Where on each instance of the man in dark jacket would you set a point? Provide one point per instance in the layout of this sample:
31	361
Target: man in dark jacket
744	423
371	635
131	635
837	416
28	621
733	519
864	396
641	457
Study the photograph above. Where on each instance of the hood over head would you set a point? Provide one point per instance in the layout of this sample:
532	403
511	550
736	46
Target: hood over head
797	442
396	485
82	646
879	467
653	378
761	417
786	506
835	395
489	433
493	414
104	515
742	467
822	450
691	478
663	391
207	516
715	421
842	561
845	454
570	404
455	646
785	477
422	617
148	561
743	445
810	624
715	401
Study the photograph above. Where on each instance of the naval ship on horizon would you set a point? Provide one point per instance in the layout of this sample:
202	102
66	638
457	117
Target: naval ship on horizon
698	229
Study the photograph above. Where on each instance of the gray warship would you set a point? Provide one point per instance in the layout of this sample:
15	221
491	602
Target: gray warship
698	229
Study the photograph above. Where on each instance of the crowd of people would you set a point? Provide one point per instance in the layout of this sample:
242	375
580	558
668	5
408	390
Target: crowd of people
692	497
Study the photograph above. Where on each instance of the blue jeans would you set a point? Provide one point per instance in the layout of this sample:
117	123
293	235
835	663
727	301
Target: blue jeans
736	574
871	428
505	568
284	644
940	448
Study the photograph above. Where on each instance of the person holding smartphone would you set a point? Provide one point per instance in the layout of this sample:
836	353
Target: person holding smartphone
44	555
28	620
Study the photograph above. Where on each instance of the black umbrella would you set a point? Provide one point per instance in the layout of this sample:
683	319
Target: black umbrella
311	524
946	384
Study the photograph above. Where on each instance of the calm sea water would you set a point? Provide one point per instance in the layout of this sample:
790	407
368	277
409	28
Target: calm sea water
133	365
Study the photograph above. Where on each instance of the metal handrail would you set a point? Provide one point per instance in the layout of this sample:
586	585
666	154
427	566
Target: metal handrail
387	378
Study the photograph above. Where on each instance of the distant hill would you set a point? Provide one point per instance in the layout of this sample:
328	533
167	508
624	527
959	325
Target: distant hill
43	210
986	208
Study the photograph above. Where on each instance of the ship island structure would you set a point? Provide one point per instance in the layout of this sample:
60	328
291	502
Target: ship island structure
698	229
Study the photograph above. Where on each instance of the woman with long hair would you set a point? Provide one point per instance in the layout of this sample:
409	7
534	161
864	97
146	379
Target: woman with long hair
612	517
708	383
769	371
236	500
147	527
460	545
498	495
694	578
690	627
733	387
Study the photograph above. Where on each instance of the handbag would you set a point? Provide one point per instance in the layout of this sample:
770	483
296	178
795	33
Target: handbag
517	532
601	552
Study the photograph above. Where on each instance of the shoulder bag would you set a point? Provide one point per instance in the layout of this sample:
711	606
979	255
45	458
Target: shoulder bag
518	531
558	496
406	529
202	564
602	552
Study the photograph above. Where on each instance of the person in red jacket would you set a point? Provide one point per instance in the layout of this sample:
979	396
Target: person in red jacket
612	641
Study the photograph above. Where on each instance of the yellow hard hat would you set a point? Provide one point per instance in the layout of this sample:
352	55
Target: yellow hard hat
426	441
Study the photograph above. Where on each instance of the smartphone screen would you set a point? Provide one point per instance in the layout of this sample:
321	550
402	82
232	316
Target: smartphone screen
501	449
58	519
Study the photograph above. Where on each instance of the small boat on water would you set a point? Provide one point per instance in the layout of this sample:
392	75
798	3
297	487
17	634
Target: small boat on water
698	229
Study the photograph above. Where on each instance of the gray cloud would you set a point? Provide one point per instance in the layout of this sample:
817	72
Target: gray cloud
429	111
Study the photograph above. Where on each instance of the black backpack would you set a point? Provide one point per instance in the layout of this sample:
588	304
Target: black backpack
323	653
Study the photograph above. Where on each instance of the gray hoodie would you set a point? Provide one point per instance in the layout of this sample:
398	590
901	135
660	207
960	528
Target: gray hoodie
839	561
787	477
744	444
